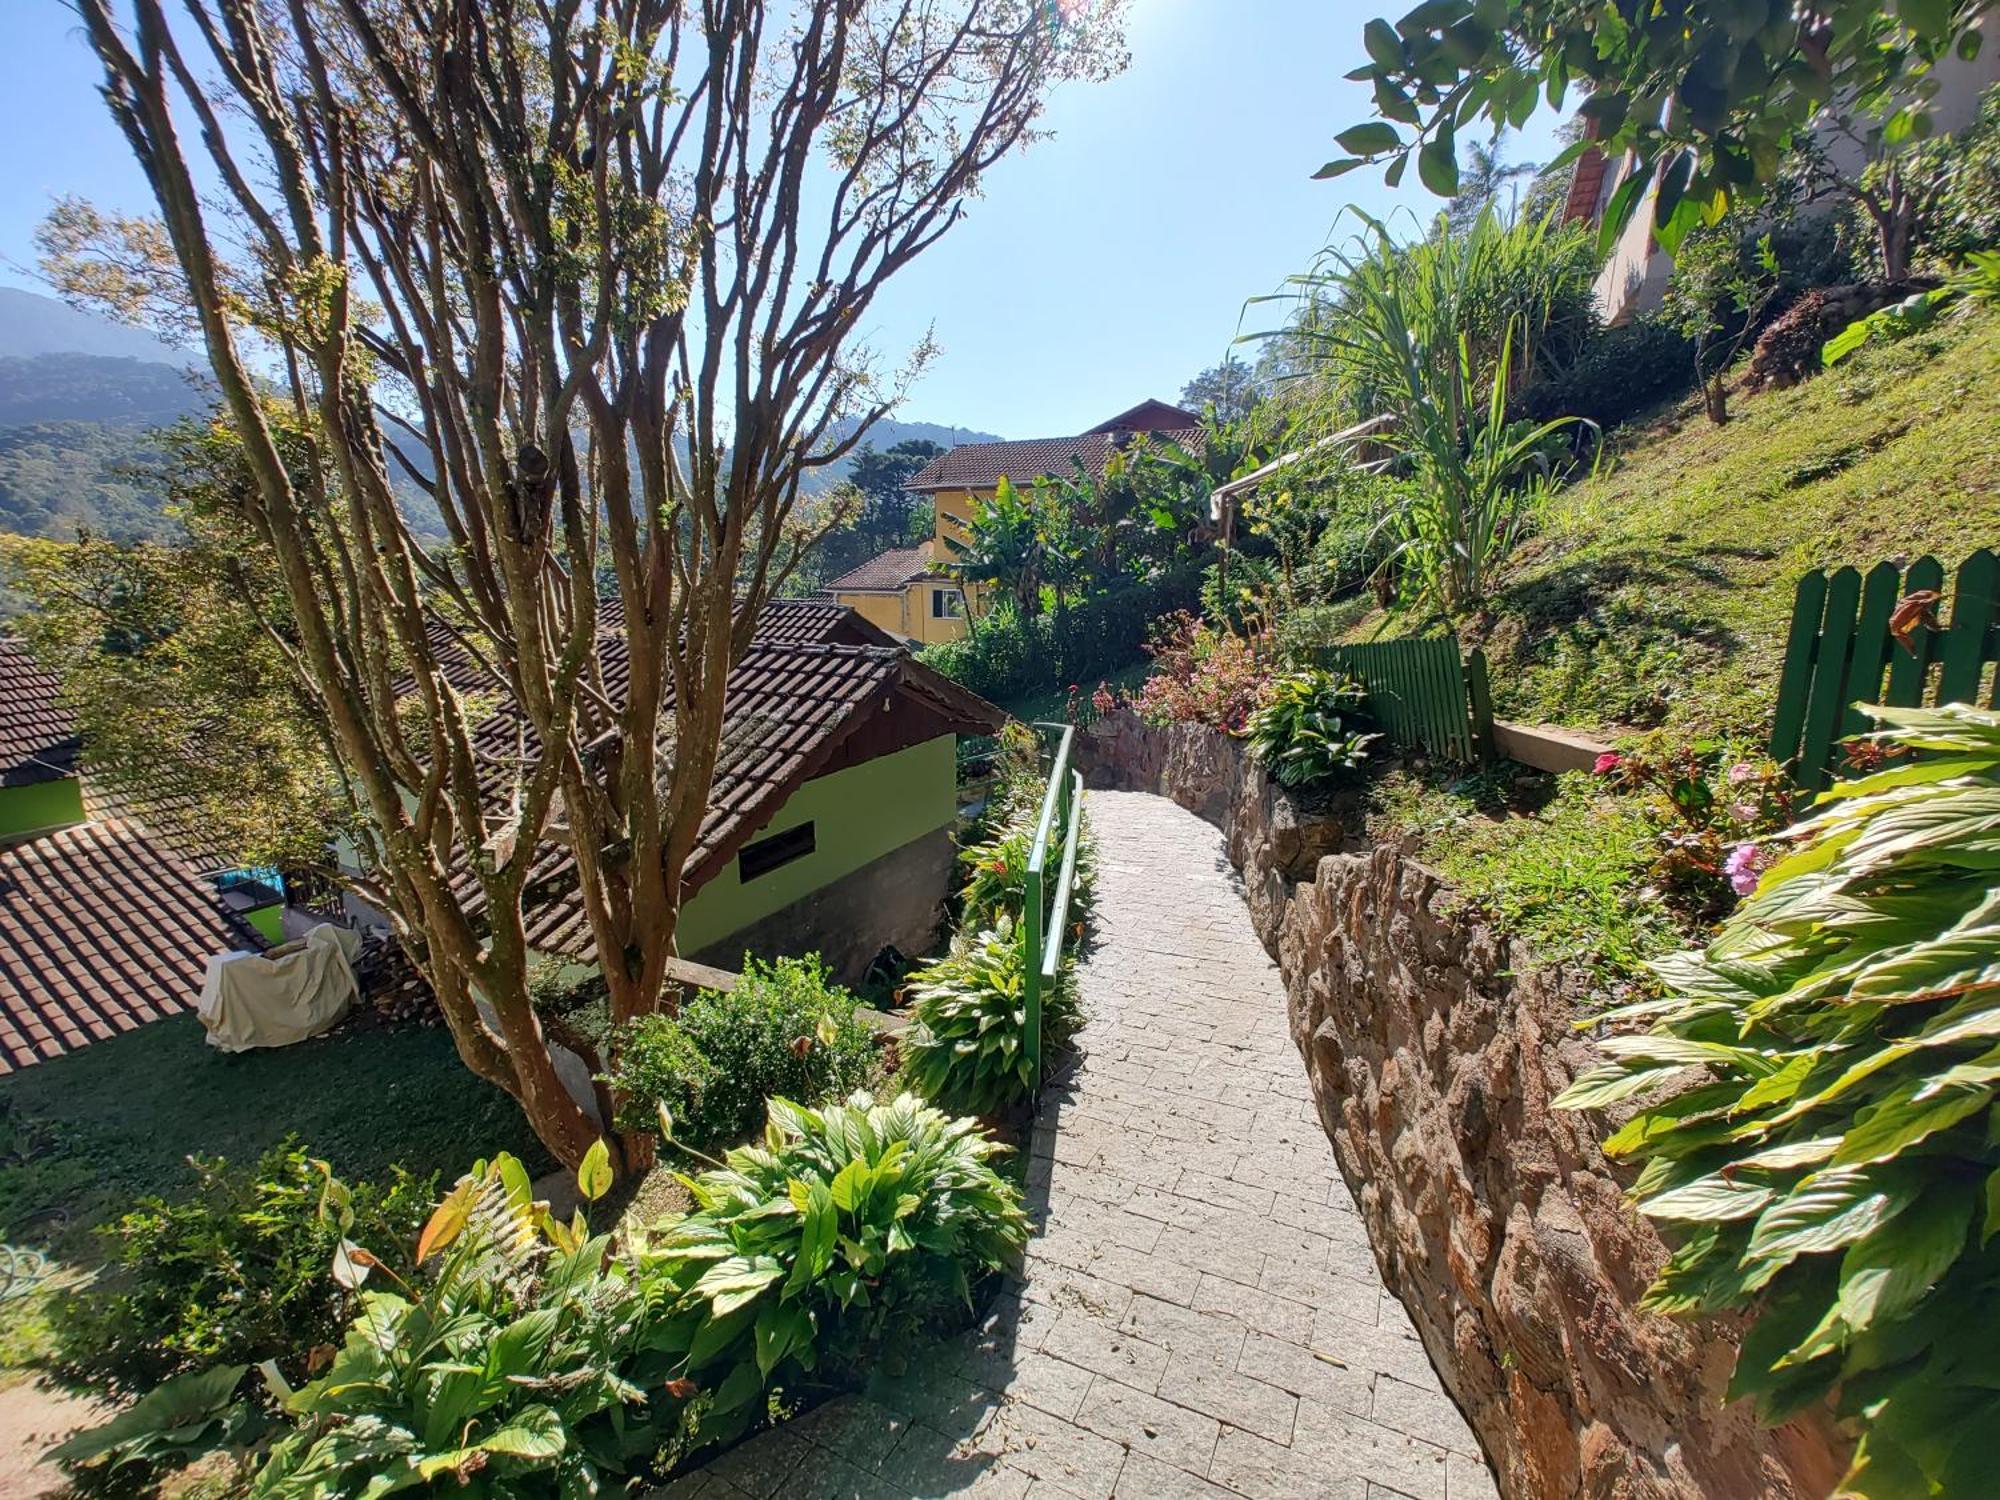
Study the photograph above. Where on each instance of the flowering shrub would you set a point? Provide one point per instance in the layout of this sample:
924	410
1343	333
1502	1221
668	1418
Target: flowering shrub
1201	676
1711	811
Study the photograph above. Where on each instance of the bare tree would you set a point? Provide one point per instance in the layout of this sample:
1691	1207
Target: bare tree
588	271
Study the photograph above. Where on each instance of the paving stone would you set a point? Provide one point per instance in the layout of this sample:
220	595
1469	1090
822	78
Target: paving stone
1145	1478
1075	1460
1245	1464
928	1462
1215	1338
1354	1445
1220	1392
1468	1479
1281	1317
1145	1424
1427	1414
1201	1314
760	1466
1294	1368
1104	1349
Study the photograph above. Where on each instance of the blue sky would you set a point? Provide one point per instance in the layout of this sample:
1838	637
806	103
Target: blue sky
1104	265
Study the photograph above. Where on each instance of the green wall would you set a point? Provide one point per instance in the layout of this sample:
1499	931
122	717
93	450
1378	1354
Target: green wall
45	805
859	814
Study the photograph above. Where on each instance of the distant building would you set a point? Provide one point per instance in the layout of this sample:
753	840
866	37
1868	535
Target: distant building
1634	278
913	592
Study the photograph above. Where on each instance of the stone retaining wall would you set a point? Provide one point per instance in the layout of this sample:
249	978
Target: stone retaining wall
1433	1052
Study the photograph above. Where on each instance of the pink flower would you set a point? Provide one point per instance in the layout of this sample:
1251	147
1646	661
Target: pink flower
1741	772
1743	812
1744	867
1608	763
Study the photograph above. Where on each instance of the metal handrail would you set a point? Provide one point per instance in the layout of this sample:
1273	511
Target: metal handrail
1042	927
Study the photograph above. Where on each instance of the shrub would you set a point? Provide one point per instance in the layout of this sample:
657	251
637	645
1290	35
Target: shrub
836	1241
518	1365
1832	1168
967	1046
1007	657
235	1273
997	882
1305	732
1200	676
528	1358
1620	374
784	1030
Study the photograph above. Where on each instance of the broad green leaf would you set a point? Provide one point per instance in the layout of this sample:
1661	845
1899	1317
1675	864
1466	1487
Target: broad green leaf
1707	1200
1912	1112
446	1223
593	1177
1369	139
1826	1211
1884	1275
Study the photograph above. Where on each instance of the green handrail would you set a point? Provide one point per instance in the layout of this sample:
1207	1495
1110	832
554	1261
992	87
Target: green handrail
1041	927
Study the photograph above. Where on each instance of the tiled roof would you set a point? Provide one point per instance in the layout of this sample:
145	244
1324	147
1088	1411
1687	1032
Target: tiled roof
887	572
789	708
811	622
981	466
37	734
1151	416
101	931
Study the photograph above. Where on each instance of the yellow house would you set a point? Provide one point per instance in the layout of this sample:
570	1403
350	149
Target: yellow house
914	592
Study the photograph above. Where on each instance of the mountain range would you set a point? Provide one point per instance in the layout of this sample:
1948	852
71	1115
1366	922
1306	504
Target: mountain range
80	397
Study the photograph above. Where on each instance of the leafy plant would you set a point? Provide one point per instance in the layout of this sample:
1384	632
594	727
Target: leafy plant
996	885
1977	282
235	1272
784	1030
516	1364
967	1048
1432	336
1709	810
1833	1168
178	1420
848	1230
1200	676
1305	732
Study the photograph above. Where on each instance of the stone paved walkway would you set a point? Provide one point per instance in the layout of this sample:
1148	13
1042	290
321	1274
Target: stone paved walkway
1200	1314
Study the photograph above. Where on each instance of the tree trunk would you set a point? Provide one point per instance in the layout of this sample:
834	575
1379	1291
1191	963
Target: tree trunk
1715	399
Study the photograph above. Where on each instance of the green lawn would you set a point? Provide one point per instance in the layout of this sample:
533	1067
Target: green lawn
1657	593
82	1136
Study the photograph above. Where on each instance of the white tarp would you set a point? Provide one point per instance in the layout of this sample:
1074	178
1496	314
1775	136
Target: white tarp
272	1000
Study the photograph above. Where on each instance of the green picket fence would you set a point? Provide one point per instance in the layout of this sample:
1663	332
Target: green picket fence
1840	652
1045	917
1424	693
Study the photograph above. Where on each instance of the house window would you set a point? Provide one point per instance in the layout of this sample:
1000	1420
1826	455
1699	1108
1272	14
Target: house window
947	604
780	849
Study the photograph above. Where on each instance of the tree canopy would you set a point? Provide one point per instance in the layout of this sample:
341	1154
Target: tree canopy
1708	94
589	276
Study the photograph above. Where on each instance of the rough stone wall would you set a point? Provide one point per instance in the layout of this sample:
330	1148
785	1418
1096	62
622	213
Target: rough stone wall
1433	1053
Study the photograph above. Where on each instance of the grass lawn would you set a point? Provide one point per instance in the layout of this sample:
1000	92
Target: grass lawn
82	1136
1657	593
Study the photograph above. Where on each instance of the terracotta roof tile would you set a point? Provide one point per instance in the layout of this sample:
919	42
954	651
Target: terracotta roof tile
789	707
38	739
101	931
981	466
888	572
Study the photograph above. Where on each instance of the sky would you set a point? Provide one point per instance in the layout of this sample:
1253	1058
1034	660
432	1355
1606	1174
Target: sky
1103	265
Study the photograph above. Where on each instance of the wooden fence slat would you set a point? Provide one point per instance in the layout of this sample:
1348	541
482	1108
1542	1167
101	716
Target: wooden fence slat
1962	653
1908	667
1808	606
1863	684
1824	707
